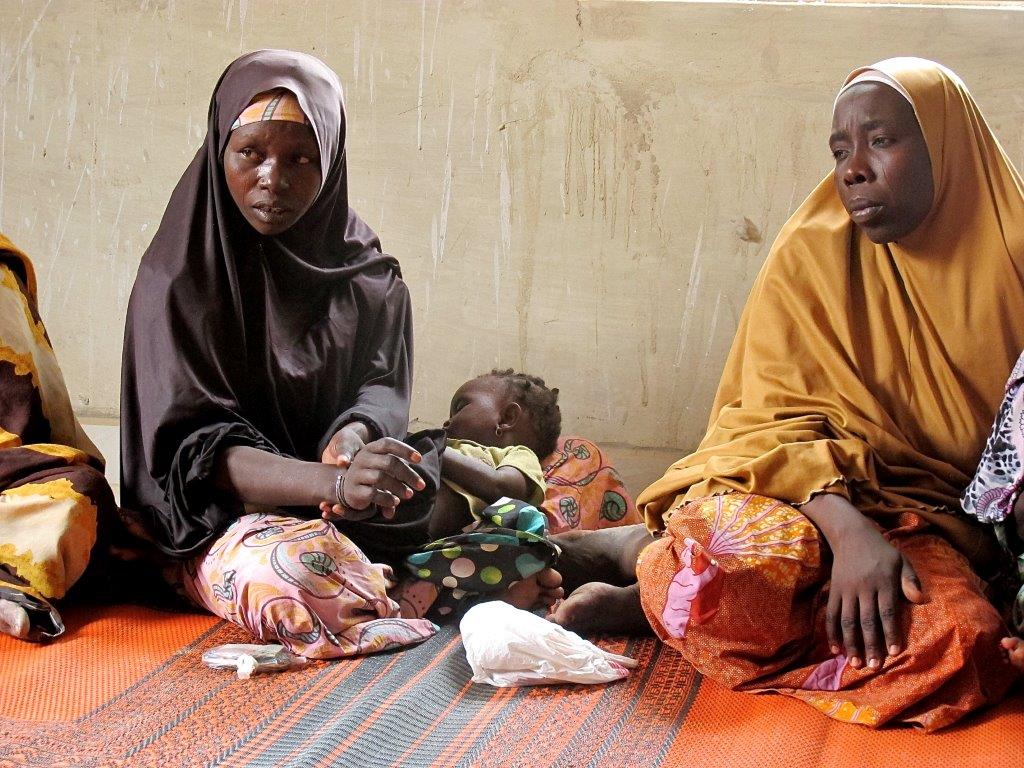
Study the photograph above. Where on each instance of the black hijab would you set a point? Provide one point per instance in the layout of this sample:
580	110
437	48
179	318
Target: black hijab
233	338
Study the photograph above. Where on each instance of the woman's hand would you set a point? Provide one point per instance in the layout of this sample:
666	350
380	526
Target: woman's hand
377	478
345	444
868	577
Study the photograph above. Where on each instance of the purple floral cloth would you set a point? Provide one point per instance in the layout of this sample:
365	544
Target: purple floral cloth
998	482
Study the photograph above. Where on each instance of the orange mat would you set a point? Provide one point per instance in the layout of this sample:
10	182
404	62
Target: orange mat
105	651
126	687
753	731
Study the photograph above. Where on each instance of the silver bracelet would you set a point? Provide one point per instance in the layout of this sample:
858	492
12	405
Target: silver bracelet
339	489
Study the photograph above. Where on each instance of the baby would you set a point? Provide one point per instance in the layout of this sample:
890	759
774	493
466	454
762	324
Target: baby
498	425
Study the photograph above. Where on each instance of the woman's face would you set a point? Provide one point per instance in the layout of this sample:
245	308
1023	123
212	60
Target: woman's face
272	168
883	172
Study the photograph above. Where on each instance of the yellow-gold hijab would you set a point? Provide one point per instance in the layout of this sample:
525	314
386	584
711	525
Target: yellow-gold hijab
875	371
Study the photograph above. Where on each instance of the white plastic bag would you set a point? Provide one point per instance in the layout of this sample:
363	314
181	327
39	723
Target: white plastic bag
249	659
506	646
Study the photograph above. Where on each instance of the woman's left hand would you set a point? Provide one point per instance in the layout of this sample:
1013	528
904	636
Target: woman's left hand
340	451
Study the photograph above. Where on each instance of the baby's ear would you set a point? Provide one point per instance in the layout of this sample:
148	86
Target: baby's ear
511	414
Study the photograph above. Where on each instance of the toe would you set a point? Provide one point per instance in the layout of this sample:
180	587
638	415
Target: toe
561	613
549	596
549	578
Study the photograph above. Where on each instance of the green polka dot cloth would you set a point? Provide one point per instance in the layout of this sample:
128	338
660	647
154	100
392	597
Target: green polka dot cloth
507	544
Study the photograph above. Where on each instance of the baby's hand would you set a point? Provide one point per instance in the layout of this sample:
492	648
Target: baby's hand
329	511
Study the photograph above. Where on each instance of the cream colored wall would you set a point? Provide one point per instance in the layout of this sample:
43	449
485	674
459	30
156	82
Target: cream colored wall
582	190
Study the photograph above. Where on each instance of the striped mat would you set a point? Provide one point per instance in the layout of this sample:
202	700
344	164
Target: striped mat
126	688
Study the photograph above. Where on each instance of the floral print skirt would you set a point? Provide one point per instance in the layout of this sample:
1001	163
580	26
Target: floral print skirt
738	584
303	584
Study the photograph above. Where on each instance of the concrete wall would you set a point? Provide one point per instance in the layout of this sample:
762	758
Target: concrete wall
581	190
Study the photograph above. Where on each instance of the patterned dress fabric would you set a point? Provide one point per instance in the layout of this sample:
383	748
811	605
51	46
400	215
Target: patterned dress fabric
52	489
739	587
507	543
303	584
996	486
584	490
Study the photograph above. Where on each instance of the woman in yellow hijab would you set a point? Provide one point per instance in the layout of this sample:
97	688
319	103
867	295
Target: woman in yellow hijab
814	543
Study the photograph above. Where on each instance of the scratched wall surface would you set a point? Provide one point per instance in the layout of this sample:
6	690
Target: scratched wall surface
585	191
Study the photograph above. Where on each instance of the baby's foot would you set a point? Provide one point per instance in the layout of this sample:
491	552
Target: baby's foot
1014	647
538	591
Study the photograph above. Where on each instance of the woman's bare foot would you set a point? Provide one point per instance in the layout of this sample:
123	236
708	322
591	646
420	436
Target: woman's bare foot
598	608
608	555
1014	647
541	590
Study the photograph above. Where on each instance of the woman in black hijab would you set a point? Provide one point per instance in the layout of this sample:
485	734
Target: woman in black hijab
267	365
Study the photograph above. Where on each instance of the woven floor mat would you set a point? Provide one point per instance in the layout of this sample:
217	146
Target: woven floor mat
417	709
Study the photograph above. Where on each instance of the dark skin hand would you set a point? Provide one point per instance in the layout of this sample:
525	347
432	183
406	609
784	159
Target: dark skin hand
869	576
258	477
376	473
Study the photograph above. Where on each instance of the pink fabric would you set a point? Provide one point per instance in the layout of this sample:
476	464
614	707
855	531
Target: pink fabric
302	584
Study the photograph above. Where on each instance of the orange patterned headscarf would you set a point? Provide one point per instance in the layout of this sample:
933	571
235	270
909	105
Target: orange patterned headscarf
875	371
278	104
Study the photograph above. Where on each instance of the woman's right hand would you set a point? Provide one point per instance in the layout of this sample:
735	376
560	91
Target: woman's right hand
378	474
869	575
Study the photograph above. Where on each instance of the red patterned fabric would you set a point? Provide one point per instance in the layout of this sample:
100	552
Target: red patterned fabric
739	587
